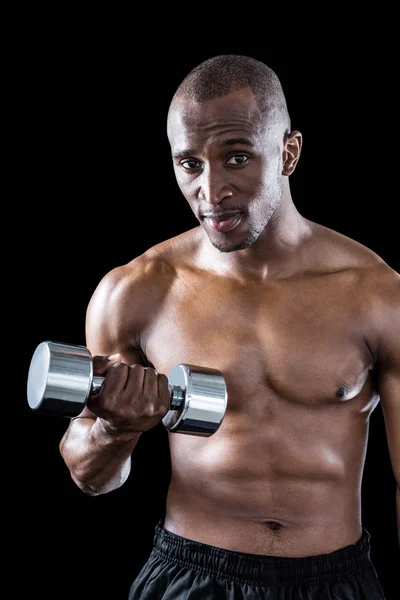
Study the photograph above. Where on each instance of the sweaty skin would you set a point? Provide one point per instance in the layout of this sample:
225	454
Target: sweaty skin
302	321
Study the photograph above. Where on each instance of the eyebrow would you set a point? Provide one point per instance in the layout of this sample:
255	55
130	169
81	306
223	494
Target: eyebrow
228	142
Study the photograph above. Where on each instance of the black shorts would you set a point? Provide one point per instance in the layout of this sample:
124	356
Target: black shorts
182	569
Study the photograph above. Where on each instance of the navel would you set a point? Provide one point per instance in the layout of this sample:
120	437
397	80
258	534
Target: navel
273	525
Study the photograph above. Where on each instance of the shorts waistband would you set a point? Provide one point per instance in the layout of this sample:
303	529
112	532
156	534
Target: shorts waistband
351	560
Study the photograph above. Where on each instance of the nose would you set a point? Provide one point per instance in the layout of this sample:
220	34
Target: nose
213	186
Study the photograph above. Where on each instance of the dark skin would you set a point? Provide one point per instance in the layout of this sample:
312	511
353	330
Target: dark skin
302	321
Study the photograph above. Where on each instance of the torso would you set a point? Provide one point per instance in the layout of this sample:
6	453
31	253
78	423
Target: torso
282	475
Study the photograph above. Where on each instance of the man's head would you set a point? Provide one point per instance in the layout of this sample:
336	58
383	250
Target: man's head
229	131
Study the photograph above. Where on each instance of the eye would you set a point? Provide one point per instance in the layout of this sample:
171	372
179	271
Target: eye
238	159
189	164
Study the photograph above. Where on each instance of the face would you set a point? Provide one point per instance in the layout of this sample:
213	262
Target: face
229	165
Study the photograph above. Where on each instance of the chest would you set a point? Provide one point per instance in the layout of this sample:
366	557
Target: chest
304	343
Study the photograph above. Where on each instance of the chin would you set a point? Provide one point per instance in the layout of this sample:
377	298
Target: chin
234	245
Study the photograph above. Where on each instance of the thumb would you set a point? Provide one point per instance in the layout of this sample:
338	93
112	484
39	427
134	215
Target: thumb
101	364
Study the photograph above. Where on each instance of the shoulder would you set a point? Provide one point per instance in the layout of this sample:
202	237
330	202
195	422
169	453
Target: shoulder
154	268
372	286
340	253
382	288
136	288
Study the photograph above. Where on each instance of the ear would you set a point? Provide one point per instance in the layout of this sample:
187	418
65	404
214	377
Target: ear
291	151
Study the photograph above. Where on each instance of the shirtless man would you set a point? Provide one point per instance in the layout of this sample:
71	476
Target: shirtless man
304	324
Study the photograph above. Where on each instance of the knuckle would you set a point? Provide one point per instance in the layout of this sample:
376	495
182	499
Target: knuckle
149	410
136	367
118	370
119	365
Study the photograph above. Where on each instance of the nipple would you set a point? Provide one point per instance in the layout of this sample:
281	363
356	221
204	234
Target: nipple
342	391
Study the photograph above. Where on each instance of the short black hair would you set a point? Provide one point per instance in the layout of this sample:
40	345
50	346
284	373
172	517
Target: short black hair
220	75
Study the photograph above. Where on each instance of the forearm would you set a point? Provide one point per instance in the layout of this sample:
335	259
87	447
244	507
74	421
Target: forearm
97	460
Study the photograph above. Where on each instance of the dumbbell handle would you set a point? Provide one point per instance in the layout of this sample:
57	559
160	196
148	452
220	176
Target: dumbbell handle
176	392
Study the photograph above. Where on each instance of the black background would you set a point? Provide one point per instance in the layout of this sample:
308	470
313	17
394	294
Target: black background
93	187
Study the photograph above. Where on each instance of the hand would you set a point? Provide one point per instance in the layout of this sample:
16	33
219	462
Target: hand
132	398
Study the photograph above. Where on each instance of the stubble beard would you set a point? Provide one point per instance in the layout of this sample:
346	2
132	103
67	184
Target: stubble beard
257	229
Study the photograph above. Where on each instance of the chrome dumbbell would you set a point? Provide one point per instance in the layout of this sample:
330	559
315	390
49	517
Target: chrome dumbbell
60	380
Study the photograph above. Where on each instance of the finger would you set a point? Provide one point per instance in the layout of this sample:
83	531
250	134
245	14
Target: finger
135	382
116	379
150	382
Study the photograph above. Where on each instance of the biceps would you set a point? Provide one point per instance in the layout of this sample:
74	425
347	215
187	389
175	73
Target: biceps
103	338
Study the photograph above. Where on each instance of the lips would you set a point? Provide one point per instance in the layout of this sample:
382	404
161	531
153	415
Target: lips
223	223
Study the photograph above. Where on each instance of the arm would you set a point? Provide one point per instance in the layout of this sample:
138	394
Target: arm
97	454
388	372
98	461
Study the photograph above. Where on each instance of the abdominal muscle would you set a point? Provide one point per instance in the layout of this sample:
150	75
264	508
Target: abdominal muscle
287	489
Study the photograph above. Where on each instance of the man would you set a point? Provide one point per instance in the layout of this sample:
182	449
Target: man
304	324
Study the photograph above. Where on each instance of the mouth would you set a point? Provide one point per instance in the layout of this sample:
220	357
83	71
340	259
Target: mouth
224	223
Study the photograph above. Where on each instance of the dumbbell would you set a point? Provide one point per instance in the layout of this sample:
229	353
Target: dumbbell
60	380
